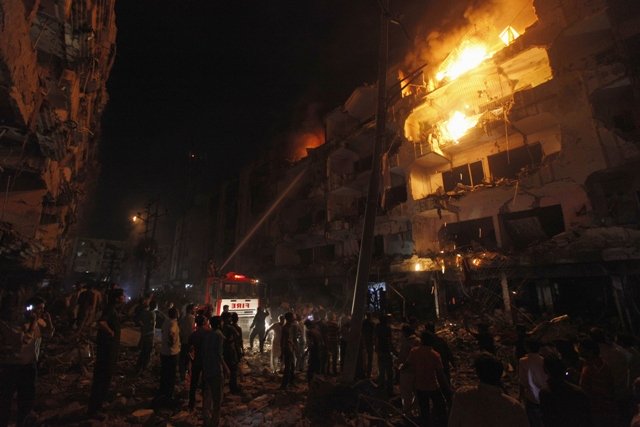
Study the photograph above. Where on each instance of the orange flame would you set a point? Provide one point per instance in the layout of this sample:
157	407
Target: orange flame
467	57
457	126
406	89
301	141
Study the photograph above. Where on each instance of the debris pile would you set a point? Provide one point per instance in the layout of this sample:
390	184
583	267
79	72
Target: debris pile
67	367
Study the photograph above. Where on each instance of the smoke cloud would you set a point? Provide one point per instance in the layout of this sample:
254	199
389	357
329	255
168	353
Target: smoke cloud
445	28
309	133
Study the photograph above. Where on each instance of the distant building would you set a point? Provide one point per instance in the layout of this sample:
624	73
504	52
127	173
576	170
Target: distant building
101	260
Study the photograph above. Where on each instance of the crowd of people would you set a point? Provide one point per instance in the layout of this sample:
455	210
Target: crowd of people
589	381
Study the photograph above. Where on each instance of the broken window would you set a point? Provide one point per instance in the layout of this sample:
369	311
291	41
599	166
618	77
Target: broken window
475	234
510	163
534	225
469	174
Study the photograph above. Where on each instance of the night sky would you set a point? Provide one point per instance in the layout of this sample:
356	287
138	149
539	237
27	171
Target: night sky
222	80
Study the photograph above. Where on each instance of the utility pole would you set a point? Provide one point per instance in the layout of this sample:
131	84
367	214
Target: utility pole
366	245
149	242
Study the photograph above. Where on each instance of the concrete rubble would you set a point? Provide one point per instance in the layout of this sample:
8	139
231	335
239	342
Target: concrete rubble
66	371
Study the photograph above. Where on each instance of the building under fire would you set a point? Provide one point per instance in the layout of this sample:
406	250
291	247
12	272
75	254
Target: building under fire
510	172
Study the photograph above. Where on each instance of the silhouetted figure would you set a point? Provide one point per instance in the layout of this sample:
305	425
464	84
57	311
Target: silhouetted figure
169	354
485	339
195	350
368	342
331	343
406	377
288	349
442	347
276	347
239	342
485	405
385	350
214	369
230	352
345	330
186	323
147	322
258	327
562	404
108	345
531	379
314	348
521	338
597	382
21	332
430	382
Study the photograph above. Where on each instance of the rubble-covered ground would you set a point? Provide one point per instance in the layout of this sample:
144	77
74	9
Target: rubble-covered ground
65	380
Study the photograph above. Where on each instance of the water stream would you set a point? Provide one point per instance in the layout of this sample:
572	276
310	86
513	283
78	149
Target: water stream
263	218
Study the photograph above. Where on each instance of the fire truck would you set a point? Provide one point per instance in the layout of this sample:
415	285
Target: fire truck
241	293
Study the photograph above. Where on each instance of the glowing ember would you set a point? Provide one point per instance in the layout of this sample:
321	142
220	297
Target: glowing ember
468	57
457	126
508	35
300	141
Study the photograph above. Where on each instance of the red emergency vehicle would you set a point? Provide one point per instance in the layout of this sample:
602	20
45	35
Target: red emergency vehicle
241	293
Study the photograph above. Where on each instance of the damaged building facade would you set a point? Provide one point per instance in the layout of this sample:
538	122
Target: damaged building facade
511	165
55	58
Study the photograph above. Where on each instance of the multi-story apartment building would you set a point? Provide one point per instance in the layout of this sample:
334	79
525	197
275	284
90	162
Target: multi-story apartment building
510	163
55	57
99	259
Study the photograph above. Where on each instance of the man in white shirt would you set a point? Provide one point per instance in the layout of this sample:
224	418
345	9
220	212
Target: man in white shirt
532	378
169	352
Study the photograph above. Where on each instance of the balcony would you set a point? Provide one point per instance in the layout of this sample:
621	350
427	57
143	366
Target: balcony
428	155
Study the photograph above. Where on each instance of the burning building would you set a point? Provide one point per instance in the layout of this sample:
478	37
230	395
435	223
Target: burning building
518	136
55	57
510	162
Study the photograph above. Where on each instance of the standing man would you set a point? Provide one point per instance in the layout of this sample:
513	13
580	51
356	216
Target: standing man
239	343
20	339
288	348
532	378
196	341
562	404
108	345
429	381
314	346
230	352
213	372
258	328
187	323
169	352
442	347
368	339
384	349
147	321
406	378
486	405
332	343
